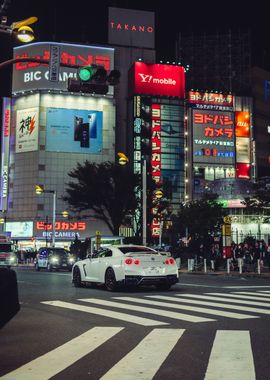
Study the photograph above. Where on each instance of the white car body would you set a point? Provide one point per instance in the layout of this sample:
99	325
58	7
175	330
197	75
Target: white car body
126	265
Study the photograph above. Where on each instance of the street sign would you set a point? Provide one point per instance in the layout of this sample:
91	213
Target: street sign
54	64
227	219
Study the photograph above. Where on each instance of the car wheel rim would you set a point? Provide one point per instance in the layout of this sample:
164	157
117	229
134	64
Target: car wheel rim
77	277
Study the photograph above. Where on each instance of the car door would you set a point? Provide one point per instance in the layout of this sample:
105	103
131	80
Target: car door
96	266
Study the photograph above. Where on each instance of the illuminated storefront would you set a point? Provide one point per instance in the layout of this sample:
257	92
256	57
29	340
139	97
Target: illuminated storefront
219	141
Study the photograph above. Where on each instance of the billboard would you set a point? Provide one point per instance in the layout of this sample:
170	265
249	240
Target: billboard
5	152
27	126
210	100
128	27
157	79
75	131
20	229
213	137
28	75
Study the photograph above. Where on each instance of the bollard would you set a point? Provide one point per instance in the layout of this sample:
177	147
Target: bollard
205	266
259	266
240	265
228	265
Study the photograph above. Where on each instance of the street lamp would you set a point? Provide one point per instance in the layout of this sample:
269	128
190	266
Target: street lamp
20	29
40	190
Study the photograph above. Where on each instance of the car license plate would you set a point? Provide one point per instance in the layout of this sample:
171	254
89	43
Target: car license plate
64	265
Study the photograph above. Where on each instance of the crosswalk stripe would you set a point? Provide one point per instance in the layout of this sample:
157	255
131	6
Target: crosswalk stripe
231	357
48	365
145	359
185	307
264	291
233	295
228	300
163	313
111	314
265	296
214	304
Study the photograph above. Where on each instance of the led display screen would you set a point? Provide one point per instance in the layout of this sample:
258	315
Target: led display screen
71	130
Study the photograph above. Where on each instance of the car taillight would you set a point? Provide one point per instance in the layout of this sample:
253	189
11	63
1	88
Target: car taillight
170	261
130	261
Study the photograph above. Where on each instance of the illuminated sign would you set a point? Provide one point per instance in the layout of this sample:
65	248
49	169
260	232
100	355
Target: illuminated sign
36	76
27	125
243	170
128	27
61	225
5	136
20	229
243	150
73	130
158	79
242	124
210	98
156	144
213	137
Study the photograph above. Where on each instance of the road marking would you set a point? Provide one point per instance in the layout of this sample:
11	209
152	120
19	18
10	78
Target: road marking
265	297
197	285
106	313
231	357
189	308
233	295
145	359
224	299
213	304
264	291
48	365
240	287
163	313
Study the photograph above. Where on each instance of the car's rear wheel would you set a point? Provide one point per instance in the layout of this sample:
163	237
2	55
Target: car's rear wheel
77	280
110	281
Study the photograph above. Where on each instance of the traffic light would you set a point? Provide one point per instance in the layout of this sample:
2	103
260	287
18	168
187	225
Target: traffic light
93	79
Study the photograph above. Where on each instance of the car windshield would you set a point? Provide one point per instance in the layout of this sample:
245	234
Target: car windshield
137	250
54	251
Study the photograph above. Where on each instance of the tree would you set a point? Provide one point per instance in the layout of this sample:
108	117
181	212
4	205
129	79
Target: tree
201	218
104	191
259	201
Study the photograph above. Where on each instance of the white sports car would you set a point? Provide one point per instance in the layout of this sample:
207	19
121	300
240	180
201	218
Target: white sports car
126	265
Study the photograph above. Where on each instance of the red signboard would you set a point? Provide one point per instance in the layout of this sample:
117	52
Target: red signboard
242	124
66	226
243	171
156	144
158	79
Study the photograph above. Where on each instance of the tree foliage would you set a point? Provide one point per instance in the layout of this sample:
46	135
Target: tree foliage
104	191
201	218
259	201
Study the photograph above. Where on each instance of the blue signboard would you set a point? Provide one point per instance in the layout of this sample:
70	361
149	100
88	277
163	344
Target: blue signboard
76	131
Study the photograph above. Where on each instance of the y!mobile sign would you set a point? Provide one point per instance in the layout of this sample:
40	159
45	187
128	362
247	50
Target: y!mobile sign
157	79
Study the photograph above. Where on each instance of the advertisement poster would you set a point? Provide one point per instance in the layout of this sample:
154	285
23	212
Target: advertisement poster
76	131
27	124
20	229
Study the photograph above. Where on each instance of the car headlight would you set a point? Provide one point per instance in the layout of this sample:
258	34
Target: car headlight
71	260
12	258
55	259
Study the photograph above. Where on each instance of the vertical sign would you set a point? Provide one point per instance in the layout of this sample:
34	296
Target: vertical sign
5	153
156	161
54	65
27	124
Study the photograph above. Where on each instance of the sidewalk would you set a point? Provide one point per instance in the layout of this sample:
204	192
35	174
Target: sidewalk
263	274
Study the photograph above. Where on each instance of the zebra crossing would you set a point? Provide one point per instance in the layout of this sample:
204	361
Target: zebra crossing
193	308
143	362
231	356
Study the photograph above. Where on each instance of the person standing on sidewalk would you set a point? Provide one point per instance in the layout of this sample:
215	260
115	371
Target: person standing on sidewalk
239	254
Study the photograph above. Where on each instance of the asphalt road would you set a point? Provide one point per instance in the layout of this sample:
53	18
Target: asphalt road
205	327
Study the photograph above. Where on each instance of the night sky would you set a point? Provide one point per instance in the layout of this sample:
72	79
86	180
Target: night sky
86	22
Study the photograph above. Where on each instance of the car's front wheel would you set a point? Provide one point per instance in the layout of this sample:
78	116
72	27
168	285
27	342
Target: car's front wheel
77	280
110	281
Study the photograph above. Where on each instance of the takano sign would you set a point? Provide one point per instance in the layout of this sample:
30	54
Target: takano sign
36	76
157	79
